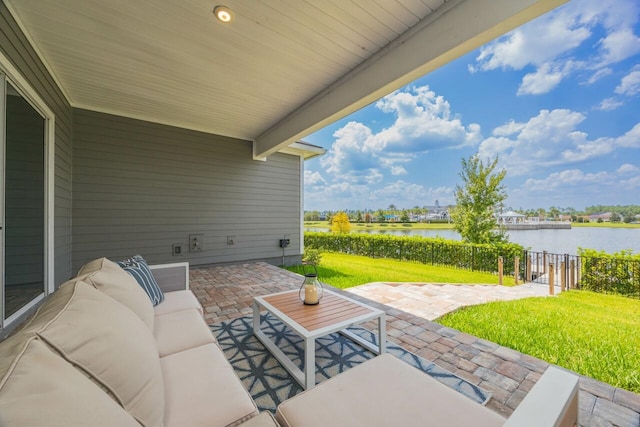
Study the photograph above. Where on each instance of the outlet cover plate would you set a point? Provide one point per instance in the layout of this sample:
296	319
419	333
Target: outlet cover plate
196	242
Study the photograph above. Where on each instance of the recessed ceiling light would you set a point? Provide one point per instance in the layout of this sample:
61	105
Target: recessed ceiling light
223	13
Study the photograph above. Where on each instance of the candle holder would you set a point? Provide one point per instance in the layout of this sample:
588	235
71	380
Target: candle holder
311	291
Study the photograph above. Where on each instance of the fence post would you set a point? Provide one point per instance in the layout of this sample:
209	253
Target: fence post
572	274
551	279
473	257
544	262
528	275
563	276
566	270
431	253
516	270
500	264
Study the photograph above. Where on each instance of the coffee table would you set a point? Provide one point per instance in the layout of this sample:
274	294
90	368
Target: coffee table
335	313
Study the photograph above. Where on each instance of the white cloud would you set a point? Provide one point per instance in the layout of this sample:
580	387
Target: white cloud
535	43
508	129
585	149
602	72
347	157
568	178
619	45
398	170
401	193
547	44
630	84
628	169
610	104
630	139
551	138
631	184
423	122
543	80
575	184
313	178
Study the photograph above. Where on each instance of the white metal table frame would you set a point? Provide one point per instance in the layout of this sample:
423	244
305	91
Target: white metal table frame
307	377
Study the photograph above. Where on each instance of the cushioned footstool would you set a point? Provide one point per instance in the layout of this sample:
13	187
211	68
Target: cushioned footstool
384	391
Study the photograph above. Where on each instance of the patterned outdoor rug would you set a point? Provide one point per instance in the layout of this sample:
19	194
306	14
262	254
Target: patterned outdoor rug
269	383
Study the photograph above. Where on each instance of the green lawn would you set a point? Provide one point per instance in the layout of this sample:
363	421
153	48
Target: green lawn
344	271
604	225
593	334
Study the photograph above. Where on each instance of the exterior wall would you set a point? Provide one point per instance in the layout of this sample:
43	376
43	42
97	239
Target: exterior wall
15	46
141	187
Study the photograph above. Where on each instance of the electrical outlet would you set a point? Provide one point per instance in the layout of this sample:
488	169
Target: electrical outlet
231	240
176	249
196	242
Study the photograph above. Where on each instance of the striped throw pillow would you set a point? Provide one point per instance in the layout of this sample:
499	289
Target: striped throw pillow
139	269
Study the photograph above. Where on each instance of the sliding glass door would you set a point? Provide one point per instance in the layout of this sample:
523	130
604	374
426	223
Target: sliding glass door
23	203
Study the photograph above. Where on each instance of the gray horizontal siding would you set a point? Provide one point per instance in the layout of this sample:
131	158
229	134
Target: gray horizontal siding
16	47
140	187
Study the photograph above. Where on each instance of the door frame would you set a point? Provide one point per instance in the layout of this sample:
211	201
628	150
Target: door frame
13	75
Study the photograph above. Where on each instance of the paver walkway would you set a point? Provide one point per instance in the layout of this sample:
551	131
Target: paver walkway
226	292
431	301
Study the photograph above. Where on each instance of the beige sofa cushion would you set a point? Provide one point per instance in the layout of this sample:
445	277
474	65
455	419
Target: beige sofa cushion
201	389
110	344
179	331
42	389
177	301
384	391
108	277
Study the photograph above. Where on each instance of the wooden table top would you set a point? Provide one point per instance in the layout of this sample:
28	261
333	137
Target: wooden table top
332	309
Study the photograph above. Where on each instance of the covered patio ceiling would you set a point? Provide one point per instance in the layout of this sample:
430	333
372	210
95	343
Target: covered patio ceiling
280	71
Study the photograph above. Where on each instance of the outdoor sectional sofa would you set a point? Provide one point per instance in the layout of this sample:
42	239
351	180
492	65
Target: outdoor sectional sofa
99	353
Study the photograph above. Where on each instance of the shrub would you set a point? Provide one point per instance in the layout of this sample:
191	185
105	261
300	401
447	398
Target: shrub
312	256
617	273
434	251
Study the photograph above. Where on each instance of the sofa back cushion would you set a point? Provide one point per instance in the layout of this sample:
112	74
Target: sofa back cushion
110	278
109	343
41	388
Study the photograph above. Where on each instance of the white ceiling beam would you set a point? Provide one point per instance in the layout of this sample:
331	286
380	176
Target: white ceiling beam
457	28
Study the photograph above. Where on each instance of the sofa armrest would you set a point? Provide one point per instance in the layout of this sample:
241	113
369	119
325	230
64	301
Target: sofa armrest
171	277
552	402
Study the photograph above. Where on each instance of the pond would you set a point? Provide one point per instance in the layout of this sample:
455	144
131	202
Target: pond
553	241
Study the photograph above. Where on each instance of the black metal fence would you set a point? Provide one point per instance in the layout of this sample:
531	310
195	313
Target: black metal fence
611	274
592	270
562	269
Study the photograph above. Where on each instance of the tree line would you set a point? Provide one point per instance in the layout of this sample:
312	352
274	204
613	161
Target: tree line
620	213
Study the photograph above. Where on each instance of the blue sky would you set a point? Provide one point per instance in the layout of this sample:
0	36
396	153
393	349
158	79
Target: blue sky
558	100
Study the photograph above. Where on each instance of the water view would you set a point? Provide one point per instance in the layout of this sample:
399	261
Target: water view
554	241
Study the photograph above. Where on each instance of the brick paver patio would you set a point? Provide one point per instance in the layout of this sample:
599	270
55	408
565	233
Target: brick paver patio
226	292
